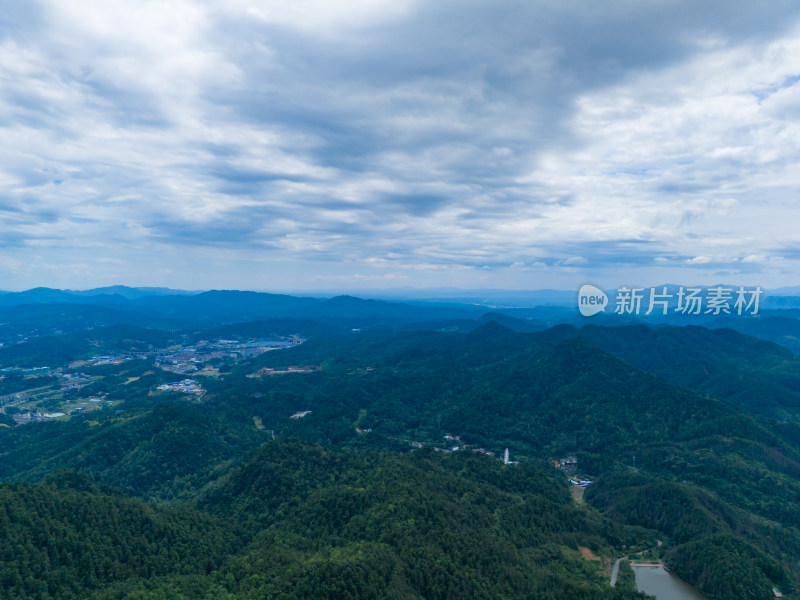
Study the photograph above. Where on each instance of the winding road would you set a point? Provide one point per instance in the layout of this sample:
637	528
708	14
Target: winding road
615	572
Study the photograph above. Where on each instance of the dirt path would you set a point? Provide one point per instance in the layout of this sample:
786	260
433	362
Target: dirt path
577	493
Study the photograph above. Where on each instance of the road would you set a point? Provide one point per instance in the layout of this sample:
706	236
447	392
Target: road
21	392
20	397
615	572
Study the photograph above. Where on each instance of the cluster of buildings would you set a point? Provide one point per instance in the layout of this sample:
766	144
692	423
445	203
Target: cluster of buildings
108	360
266	371
34	417
568	464
482	451
458	440
180	359
185	359
187	386
74	380
581	483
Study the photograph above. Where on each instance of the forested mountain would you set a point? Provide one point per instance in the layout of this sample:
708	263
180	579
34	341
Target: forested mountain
761	376
65	539
271	328
61	349
30	320
312	522
779	326
708	415
210	308
44	311
424	524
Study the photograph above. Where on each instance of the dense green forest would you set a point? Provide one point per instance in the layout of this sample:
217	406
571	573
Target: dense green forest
56	350
63	538
302	521
725	566
363	497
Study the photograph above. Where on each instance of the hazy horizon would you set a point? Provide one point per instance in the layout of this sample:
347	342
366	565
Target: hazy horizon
412	293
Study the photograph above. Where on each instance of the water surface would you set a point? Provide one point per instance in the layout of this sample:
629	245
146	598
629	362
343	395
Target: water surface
662	584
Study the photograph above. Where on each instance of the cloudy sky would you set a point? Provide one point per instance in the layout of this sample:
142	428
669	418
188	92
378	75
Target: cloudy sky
379	144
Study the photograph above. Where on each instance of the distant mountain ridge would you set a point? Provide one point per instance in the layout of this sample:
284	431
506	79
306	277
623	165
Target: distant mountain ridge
132	292
46	311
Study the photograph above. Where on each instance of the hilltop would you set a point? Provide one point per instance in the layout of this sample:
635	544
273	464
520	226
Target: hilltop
329	451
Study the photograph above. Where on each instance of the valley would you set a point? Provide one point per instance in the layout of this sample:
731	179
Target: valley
376	458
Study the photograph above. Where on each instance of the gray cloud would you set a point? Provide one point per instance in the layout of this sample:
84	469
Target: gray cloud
410	138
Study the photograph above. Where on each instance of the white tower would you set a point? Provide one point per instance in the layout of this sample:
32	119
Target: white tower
505	457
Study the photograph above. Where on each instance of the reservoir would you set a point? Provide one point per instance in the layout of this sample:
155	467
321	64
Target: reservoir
662	584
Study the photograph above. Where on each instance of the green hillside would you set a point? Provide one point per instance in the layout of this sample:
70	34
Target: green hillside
314	522
57	350
343	524
64	539
711	480
760	376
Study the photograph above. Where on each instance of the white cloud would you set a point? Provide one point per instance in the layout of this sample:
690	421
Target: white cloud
407	136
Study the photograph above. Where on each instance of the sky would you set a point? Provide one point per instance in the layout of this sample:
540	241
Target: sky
392	144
